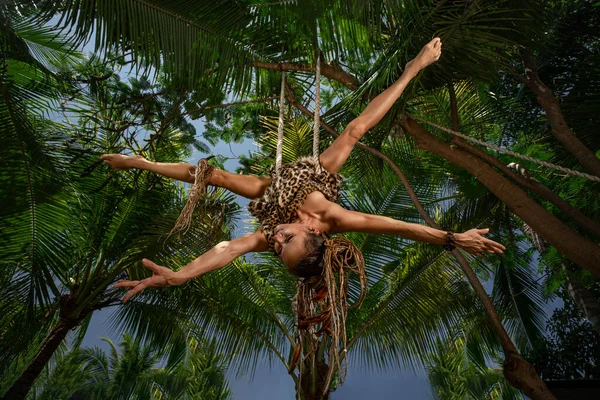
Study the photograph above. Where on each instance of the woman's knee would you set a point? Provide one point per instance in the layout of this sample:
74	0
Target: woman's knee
355	131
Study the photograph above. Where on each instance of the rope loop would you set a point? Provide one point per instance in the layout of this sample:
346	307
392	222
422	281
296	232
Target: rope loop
279	154
317	124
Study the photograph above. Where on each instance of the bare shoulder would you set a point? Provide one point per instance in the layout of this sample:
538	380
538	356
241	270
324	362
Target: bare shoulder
329	212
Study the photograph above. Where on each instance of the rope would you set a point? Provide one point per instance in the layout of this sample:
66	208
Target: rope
316	126
567	171
279	153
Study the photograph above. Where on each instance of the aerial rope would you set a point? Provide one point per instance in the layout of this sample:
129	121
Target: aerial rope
321	301
317	125
503	150
279	154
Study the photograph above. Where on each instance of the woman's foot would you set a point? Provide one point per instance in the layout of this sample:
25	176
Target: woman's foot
429	54
120	161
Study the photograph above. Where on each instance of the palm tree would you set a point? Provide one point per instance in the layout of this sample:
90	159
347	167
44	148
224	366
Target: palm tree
476	37
70	232
455	375
85	252
131	372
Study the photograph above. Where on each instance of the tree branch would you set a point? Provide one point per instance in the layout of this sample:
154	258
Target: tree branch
585	222
560	129
576	247
330	71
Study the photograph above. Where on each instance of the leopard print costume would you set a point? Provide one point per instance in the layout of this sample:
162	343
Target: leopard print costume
288	191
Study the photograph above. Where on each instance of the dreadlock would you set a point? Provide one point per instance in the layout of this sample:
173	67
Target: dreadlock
321	300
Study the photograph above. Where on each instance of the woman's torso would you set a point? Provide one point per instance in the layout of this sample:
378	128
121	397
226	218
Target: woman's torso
303	185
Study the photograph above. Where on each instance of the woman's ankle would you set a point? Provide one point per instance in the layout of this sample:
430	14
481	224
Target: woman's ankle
216	177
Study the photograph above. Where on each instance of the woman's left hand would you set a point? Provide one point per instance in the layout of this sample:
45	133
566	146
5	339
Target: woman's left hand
473	242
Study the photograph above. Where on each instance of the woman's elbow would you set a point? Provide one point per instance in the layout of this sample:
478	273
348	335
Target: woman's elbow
224	247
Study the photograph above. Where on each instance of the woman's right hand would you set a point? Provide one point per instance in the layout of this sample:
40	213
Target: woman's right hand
474	242
161	277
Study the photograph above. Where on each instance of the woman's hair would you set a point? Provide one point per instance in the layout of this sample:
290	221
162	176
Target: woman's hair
321	300
312	263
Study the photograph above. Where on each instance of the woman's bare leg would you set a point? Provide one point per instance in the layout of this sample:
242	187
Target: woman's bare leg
248	186
335	155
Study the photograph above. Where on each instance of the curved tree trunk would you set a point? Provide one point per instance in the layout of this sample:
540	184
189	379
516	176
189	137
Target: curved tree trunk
589	224
517	370
561	131
23	385
583	221
577	248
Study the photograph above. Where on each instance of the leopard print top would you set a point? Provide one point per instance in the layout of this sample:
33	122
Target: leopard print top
288	191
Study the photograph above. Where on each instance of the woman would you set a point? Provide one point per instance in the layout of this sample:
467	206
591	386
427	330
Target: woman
312	210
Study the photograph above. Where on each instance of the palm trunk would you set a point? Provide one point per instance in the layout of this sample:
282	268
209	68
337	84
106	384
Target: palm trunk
560	129
313	378
577	248
23	385
583	221
517	371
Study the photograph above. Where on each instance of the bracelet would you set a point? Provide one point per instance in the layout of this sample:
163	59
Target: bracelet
450	240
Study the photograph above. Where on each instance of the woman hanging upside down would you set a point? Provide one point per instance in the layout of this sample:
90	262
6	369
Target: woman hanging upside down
297	206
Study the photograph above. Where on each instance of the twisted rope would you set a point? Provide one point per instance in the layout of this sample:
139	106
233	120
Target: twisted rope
201	178
316	126
279	154
567	171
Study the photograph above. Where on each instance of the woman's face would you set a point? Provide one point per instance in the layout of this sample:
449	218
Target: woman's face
290	242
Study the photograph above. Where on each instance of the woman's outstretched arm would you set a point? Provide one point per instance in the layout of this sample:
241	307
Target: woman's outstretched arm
217	257
471	241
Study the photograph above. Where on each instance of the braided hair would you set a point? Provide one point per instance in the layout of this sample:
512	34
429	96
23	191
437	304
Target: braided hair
321	300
